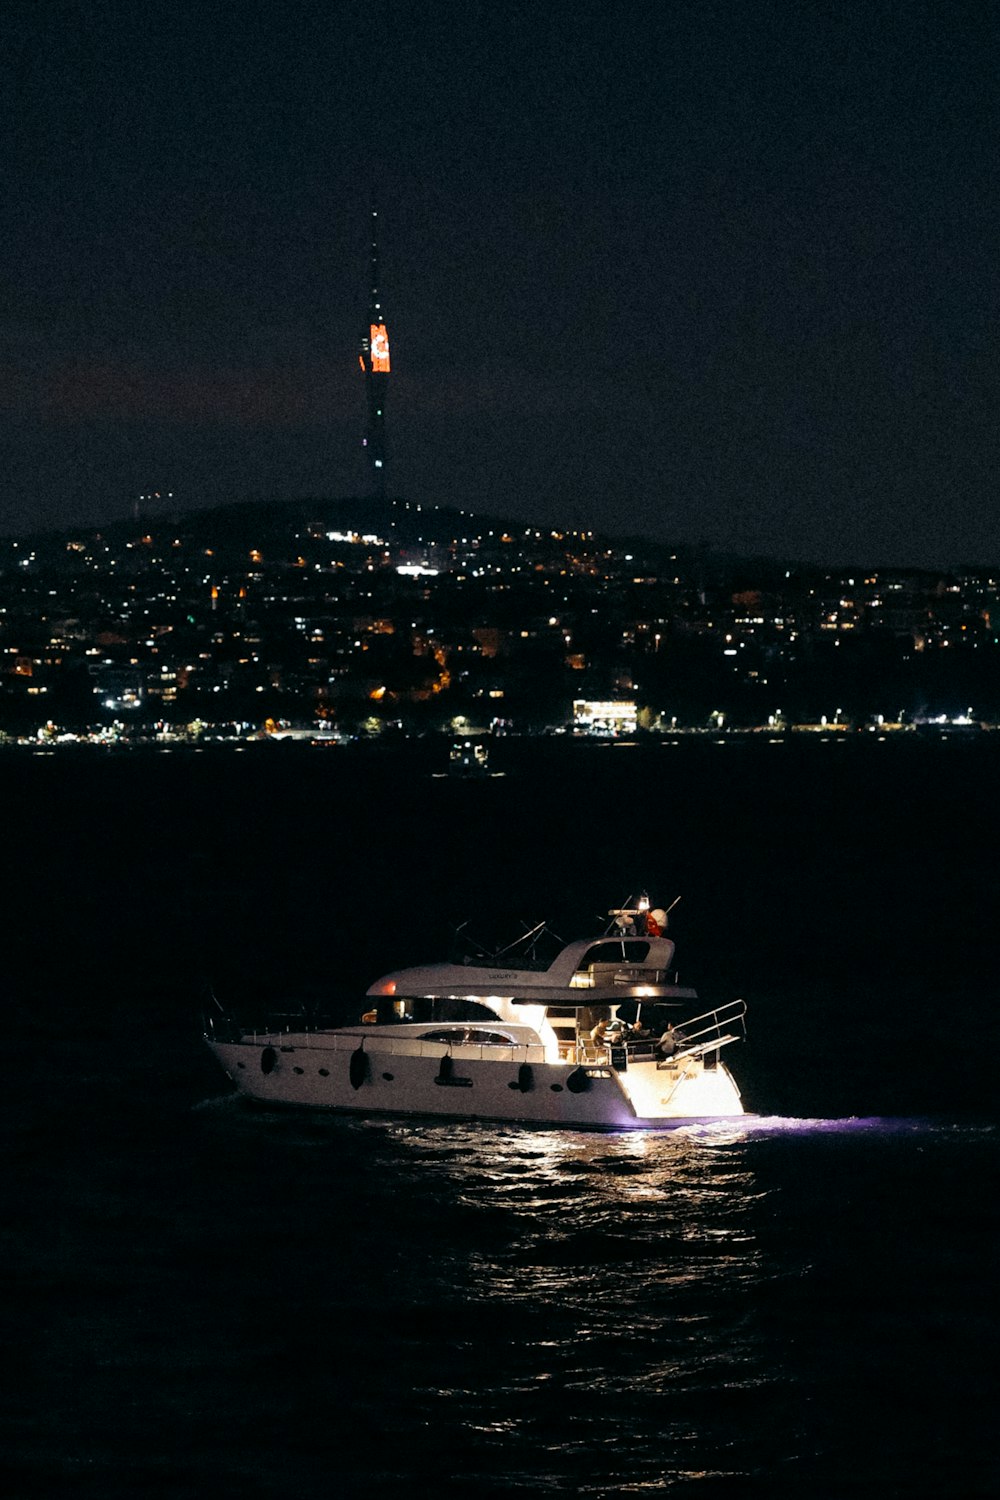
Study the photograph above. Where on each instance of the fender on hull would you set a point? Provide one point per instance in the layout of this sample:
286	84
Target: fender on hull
385	1084
597	1127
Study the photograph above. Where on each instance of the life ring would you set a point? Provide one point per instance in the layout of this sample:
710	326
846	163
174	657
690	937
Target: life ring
268	1060
357	1070
578	1081
525	1077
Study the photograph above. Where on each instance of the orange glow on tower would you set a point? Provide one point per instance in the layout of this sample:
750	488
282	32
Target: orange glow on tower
379	347
375	367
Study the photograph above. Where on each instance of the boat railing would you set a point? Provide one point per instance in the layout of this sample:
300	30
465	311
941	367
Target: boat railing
711	1030
466	1051
386	1039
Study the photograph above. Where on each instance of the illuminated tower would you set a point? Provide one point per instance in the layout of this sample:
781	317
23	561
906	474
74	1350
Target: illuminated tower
374	359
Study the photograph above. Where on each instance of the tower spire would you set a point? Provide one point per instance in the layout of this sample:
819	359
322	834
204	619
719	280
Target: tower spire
374	360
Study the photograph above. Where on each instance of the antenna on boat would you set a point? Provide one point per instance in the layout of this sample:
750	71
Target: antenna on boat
462	937
637	912
210	988
529	933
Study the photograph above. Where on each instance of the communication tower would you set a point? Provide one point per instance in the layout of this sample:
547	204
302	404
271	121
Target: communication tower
374	359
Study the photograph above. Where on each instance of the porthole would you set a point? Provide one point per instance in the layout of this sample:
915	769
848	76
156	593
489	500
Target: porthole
298	1070
241	1065
555	1087
324	1072
388	1077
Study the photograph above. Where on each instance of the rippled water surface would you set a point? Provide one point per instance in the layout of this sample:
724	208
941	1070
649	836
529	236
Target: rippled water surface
208	1299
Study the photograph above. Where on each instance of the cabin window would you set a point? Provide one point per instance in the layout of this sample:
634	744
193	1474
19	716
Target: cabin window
472	1036
446	1008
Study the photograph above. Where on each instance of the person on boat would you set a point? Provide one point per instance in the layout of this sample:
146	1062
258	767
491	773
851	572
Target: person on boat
598	1036
621	1030
669	1041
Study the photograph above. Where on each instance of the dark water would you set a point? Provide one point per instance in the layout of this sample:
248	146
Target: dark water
208	1300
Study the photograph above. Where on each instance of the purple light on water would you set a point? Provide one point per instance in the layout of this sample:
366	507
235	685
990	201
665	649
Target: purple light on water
758	1125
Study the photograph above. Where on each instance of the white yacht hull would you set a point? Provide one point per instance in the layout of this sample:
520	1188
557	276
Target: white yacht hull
378	1074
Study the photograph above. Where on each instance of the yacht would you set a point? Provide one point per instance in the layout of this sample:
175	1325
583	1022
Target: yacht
592	1034
468	758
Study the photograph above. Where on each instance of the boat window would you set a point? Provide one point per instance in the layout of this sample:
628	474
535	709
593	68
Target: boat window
470	1036
447	1008
614	951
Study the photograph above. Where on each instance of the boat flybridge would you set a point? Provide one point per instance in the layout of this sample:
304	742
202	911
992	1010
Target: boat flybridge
597	1037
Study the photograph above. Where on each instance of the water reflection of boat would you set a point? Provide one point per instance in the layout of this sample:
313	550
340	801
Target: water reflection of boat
579	1038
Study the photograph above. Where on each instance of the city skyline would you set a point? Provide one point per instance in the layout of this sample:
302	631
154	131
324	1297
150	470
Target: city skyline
720	274
385	614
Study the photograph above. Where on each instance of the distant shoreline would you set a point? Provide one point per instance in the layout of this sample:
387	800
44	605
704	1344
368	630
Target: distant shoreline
510	746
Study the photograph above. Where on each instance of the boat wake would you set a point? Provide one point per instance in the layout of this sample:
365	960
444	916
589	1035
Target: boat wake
762	1126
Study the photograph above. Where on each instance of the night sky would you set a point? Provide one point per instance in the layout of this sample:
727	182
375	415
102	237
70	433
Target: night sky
713	271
